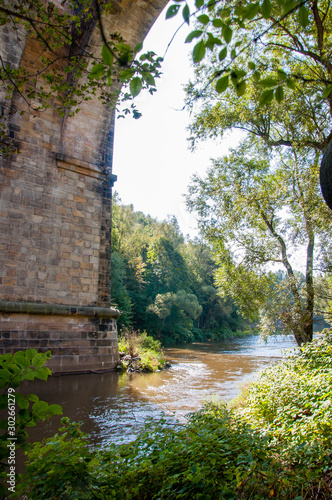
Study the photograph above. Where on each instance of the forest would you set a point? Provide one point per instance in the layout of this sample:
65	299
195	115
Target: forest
164	283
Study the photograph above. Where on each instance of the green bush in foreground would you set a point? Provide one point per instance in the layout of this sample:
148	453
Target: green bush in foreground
19	412
291	403
275	443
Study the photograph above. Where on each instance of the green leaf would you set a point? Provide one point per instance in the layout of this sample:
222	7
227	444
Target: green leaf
138	47
290	83
21	360
199	51
40	410
199	3
148	78
251	65
223	54
218	23
303	16
212	41
227	33
127	74
266	9
21	401
222	84
135	86
55	410
233	53
266	97
327	91
38	360
282	75
107	55
109	77
42	373
251	11
279	94
33	397
97	71
287	6
172	11
204	19
186	13
241	88
268	82
192	35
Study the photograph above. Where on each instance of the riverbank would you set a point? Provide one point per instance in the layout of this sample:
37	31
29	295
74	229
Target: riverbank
140	352
274	442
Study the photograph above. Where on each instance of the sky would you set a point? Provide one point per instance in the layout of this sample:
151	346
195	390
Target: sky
151	156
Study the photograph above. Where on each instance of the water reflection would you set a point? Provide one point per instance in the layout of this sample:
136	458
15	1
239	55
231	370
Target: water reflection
114	406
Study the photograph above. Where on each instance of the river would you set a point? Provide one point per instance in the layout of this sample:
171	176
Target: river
113	407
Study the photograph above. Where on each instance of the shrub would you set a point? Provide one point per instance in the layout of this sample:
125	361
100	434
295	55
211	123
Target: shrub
291	404
20	412
143	346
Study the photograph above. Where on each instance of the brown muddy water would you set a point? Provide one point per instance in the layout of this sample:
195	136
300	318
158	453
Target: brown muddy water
113	407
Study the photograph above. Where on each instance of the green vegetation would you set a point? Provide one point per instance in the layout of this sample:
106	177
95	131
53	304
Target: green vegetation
164	284
281	45
261	203
274	442
20	412
144	353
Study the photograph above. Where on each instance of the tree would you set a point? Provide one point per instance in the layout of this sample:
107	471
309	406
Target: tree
241	34
293	133
278	44
176	312
255	209
67	71
160	282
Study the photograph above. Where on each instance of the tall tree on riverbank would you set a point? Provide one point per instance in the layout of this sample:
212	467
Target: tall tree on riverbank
266	193
257	209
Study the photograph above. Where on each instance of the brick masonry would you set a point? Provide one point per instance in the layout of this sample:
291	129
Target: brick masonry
55	213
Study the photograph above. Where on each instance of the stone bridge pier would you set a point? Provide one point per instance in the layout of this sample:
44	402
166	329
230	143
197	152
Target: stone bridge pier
55	215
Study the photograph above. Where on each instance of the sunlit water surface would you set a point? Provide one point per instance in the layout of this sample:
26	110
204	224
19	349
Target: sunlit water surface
113	407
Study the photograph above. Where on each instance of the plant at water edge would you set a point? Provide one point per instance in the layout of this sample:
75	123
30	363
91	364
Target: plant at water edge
291	404
20	411
215	455
143	346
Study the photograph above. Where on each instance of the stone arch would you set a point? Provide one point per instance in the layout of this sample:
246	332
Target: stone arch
56	215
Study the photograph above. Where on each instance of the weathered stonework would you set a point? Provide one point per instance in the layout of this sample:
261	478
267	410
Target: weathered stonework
55	212
82	339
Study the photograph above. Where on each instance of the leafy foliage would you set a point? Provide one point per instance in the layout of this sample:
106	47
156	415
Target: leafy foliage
256	210
144	347
163	284
274	443
23	365
263	42
291	403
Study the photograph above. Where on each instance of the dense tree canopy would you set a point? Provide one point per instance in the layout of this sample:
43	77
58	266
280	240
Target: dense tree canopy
164	284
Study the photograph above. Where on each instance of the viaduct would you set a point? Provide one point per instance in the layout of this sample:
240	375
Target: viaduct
55	214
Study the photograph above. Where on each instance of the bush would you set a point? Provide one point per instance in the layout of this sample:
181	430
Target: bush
291	404
275	443
144	347
20	412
